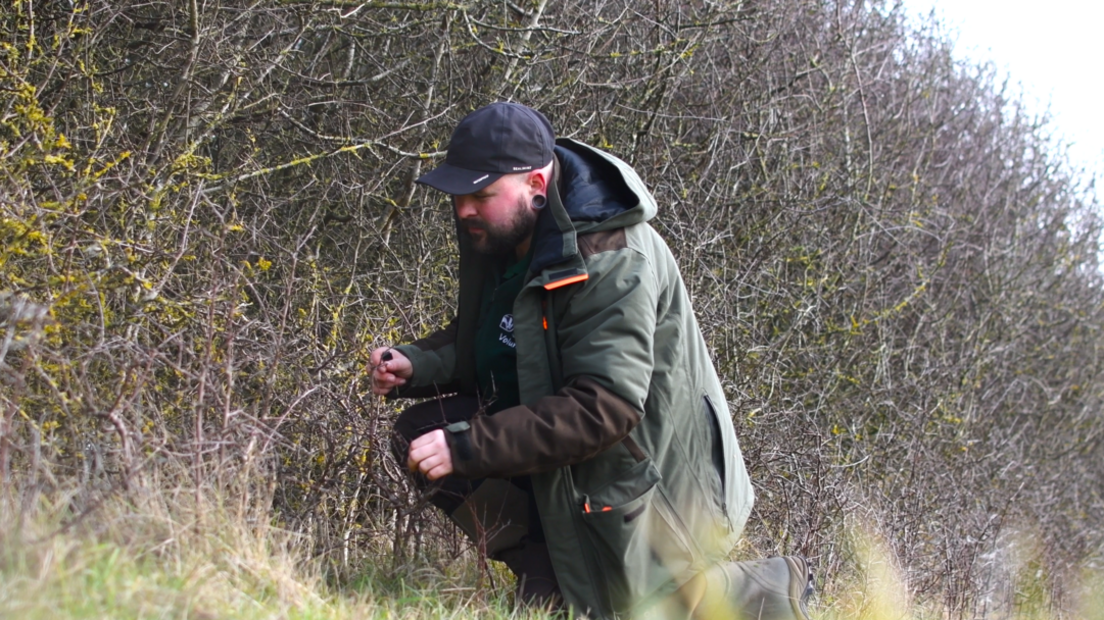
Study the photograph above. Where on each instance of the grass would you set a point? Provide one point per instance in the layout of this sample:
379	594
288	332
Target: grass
190	556
168	556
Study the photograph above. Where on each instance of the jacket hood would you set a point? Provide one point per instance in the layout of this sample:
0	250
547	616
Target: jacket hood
600	191
594	192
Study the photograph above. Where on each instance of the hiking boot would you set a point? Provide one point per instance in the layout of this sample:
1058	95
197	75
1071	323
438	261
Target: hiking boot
772	589
801	584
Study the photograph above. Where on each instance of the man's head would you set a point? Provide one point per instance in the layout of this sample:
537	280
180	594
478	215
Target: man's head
499	139
498	167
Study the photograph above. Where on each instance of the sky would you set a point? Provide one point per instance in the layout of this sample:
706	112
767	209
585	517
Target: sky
1051	48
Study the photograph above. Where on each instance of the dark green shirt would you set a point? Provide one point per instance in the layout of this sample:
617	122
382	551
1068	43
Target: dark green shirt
495	349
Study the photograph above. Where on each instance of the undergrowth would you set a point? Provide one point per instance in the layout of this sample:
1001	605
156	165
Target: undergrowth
183	554
180	553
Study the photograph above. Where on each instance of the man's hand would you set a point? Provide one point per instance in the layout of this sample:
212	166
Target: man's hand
391	373
430	455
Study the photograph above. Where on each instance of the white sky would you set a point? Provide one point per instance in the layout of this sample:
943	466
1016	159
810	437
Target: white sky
1049	47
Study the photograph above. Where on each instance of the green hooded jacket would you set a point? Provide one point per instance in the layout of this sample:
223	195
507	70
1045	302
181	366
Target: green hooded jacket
623	425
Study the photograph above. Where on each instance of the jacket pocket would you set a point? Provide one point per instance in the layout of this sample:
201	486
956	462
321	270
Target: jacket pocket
717	473
636	548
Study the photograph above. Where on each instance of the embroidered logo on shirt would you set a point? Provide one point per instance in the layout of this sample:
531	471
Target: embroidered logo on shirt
507	326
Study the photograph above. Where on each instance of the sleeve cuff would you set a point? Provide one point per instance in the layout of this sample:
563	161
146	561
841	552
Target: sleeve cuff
458	435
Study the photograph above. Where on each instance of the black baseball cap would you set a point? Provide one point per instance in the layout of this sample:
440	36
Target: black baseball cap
495	140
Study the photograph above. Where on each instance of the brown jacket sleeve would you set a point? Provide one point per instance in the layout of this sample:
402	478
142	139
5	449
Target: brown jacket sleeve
583	416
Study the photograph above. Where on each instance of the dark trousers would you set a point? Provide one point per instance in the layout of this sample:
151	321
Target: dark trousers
500	516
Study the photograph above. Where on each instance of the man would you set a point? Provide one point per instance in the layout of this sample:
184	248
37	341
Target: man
578	430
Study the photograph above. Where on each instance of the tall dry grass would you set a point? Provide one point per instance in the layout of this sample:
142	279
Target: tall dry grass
165	550
168	550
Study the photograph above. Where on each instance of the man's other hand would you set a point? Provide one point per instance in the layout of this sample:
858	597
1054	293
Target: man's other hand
391	373
430	455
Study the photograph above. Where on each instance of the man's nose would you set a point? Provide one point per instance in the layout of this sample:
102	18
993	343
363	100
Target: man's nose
465	206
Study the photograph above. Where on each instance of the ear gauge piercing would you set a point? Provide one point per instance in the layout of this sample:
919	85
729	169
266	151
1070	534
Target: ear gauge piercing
539	202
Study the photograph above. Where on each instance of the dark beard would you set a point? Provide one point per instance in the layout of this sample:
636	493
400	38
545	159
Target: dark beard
505	239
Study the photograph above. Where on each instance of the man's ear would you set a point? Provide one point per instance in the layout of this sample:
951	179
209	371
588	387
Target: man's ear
538	181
